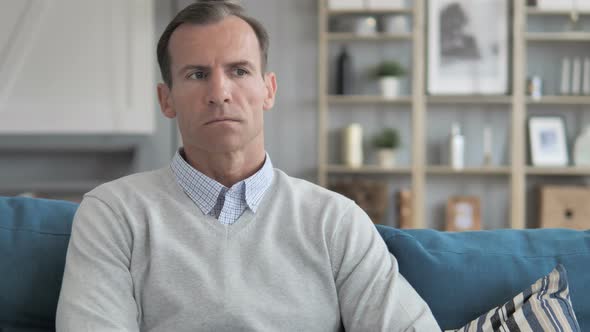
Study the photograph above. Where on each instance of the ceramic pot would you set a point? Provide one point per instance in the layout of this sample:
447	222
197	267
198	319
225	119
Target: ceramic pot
389	86
386	158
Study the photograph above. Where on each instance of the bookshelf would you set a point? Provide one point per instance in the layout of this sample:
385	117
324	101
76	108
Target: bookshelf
510	177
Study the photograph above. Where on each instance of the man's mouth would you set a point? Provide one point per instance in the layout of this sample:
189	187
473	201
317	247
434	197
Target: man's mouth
221	120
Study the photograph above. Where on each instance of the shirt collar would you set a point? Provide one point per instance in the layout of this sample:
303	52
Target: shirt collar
204	191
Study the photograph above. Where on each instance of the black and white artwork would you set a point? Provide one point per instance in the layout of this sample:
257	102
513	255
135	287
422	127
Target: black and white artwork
468	47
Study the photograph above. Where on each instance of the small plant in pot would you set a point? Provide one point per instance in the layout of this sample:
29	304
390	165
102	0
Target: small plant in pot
386	142
388	74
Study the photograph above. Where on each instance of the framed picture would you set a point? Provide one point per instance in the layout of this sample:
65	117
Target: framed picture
547	140
468	47
463	214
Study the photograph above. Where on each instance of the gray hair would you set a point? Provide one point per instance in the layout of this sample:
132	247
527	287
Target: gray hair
206	12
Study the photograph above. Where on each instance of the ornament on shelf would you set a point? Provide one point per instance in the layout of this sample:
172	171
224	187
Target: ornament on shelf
365	25
576	76
404	208
487	146
535	87
344	76
369	195
586	77
582	148
456	148
352	145
565	76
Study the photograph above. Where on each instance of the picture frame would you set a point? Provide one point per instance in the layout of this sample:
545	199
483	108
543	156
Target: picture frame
463	214
547	141
468	47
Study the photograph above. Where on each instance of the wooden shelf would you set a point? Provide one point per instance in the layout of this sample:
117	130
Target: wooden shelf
560	100
360	99
491	170
346	36
367	11
561	171
367	169
538	11
558	36
474	99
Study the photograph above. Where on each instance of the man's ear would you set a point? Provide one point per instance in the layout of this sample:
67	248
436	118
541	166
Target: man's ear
165	99
270	81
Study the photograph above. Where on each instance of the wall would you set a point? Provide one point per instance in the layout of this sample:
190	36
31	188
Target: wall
61	165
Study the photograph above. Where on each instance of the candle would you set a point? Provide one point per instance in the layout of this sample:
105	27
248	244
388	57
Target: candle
352	145
576	76
586	77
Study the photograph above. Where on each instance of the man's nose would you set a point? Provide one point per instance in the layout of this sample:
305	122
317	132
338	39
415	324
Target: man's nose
218	89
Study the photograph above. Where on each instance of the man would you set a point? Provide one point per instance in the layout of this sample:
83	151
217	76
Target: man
221	241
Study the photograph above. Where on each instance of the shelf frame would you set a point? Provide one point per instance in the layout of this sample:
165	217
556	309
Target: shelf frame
560	100
550	12
483	170
476	99
360	99
558	171
557	36
518	104
368	169
368	11
348	36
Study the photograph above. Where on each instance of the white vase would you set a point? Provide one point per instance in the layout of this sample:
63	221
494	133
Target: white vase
386	158
352	145
389	86
582	148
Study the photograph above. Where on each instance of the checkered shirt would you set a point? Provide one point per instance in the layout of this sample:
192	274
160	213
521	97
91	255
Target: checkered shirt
216	200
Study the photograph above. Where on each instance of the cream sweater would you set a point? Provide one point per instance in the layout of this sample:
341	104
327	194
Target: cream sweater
143	257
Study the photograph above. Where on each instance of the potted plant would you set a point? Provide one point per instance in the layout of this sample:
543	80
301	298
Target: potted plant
388	73
386	142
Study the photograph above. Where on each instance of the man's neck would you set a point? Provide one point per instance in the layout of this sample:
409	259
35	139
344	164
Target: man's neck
227	168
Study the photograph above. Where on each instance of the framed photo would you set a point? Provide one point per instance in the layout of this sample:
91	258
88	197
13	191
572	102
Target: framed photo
463	214
468	47
548	146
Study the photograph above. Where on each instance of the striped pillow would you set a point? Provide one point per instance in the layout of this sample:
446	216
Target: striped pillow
545	306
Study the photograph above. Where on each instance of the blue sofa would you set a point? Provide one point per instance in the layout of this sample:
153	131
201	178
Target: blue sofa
460	275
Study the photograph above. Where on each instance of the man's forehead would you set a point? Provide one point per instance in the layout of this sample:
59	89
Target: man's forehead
230	39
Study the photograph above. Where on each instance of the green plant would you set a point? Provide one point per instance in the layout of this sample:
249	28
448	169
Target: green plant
389	68
388	138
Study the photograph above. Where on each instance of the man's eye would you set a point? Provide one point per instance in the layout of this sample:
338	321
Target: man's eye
199	75
240	72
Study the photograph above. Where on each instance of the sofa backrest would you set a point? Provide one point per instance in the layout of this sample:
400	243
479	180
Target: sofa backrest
463	275
34	235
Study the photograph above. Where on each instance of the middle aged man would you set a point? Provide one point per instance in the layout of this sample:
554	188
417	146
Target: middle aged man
219	240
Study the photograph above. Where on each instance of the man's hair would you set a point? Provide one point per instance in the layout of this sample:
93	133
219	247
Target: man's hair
204	12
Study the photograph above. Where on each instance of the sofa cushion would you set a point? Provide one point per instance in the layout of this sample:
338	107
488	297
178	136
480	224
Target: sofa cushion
34	235
462	275
544	306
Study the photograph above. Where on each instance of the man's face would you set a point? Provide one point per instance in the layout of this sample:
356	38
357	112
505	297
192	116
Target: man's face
218	90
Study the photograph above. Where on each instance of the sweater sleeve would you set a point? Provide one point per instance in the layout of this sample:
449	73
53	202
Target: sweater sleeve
97	290
373	295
